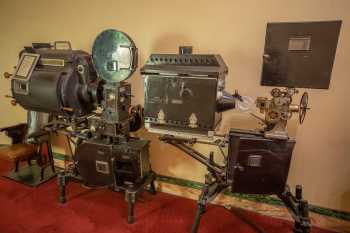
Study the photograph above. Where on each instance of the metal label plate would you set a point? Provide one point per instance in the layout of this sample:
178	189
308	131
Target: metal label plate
25	66
102	167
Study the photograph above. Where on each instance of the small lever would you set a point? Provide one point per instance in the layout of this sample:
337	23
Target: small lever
7	75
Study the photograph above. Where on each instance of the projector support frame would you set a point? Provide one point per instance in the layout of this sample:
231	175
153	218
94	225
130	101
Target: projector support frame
131	191
216	182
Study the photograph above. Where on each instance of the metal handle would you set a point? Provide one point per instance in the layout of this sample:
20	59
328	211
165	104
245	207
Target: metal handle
66	43
133	57
133	60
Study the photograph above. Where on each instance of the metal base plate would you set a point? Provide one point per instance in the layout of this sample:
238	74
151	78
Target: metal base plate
30	175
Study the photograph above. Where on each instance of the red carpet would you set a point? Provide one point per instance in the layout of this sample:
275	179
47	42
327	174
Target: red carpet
36	210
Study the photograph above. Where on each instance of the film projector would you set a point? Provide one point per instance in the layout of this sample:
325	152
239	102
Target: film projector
296	55
90	102
257	162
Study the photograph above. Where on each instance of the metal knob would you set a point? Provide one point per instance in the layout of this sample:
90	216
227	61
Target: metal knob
7	75
267	57
13	102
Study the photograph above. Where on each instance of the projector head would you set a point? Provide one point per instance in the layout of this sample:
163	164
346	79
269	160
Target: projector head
184	93
55	80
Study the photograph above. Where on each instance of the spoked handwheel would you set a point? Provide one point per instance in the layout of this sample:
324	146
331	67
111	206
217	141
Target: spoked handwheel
303	107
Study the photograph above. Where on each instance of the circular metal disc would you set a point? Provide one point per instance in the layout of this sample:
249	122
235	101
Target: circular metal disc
114	55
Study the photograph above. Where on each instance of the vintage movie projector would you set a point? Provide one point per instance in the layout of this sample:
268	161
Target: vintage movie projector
279	110
90	103
257	161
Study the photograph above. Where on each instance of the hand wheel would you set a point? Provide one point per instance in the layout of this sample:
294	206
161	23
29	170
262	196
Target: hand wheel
303	107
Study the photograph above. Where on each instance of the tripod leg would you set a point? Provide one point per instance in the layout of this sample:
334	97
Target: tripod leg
42	171
52	163
201	204
130	212
130	198
16	165
299	209
61	177
152	187
303	225
197	220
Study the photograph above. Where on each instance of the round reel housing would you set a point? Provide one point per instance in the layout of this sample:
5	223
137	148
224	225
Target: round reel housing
114	55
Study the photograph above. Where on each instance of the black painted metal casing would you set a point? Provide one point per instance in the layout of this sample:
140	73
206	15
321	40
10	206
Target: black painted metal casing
257	165
101	163
116	109
55	84
181	91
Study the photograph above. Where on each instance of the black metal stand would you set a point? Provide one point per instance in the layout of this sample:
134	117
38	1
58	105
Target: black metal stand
131	191
216	182
209	192
298	208
50	163
61	180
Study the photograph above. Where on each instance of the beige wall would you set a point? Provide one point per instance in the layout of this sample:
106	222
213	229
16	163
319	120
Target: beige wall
236	30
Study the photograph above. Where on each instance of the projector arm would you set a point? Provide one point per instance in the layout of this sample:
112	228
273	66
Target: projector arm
215	180
184	145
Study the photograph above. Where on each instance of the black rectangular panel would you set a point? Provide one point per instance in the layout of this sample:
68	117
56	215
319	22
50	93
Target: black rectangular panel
178	98
258	165
300	54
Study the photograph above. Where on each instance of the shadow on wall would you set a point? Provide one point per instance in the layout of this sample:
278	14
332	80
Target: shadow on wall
165	44
168	160
60	145
345	200
170	43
